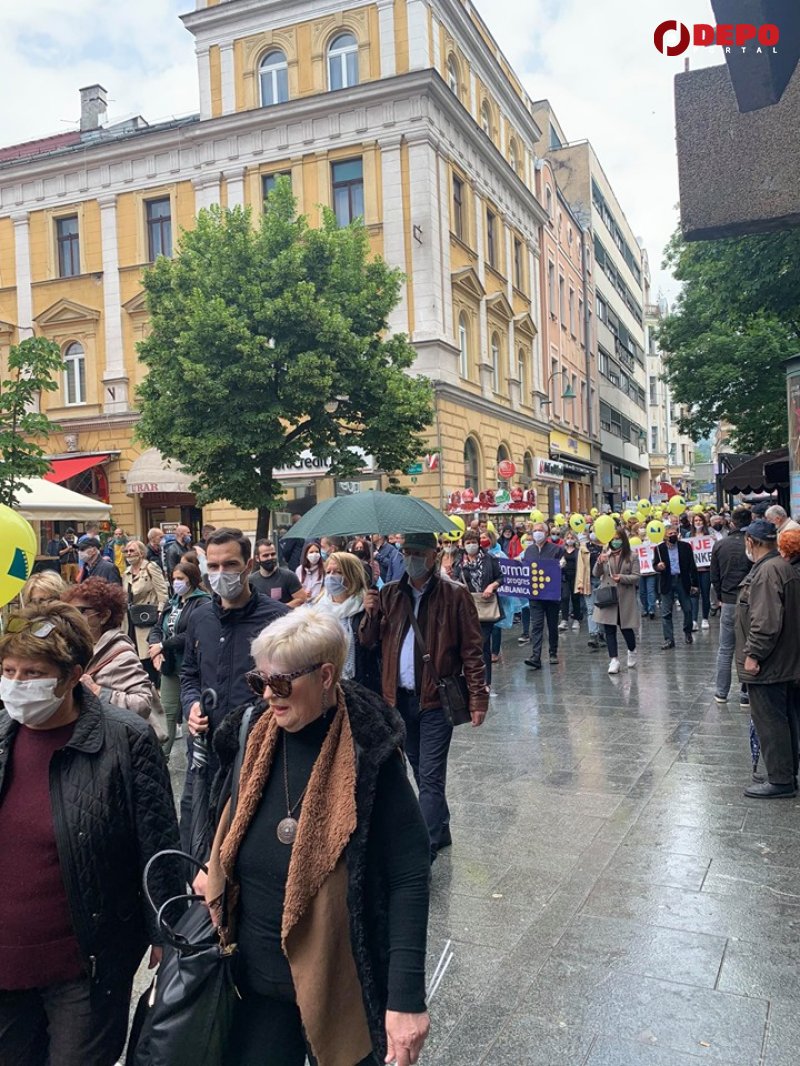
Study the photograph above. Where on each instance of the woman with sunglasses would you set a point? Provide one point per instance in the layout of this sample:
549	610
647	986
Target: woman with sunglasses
144	584
343	597
114	671
85	801
326	863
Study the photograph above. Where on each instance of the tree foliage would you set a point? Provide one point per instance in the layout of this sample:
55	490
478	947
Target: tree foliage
735	322
33	367
255	329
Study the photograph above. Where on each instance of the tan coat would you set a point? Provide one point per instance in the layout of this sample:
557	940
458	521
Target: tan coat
583	575
116	668
146	586
627	589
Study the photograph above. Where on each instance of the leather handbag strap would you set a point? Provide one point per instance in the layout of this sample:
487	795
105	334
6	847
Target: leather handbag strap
426	655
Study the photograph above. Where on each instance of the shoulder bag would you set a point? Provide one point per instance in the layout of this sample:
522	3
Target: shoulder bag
488	610
453	691
142	615
187	1013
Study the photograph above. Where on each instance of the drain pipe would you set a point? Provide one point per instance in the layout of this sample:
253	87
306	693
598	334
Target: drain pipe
587	323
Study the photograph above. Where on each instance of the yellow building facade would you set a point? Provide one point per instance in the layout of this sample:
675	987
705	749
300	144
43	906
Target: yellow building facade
403	112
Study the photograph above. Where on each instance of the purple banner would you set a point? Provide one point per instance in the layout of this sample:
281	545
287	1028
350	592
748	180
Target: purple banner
533	579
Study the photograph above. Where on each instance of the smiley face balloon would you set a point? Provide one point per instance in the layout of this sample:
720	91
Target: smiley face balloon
17	553
577	523
655	531
677	505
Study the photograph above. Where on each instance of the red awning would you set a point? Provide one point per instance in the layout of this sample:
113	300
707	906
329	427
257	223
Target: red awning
63	469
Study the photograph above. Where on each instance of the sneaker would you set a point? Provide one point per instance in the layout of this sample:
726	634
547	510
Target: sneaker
689	638
554	660
613	666
704	624
534	664
667	645
562	626
576	627
720	699
524	639
744	700
695	627
631	659
593	642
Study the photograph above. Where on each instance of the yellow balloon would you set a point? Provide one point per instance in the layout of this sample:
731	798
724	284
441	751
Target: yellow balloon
458	522
698	508
17	553
577	523
537	516
594	512
491	528
559	520
615	516
628	515
635	542
605	527
644	507
677	505
658	512
655	531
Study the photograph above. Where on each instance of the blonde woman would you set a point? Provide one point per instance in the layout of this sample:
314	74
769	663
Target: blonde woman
42	588
143	583
343	597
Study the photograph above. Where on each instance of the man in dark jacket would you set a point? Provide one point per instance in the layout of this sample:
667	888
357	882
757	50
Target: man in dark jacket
674	562
768	657
729	567
449	623
291	548
218	640
94	565
175	550
389	559
543	610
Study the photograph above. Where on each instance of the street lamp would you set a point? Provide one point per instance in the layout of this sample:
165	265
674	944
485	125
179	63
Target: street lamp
567	394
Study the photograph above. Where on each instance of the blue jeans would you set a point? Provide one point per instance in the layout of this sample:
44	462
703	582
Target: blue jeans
676	591
428	737
704	595
595	629
647	593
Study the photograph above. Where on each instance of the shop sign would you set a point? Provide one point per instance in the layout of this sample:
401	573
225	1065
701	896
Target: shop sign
562	442
549	470
467	500
309	465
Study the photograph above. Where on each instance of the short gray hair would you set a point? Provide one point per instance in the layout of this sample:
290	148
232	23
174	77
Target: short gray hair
306	636
776	511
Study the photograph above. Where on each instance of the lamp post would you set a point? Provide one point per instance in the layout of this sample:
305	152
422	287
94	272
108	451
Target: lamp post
567	394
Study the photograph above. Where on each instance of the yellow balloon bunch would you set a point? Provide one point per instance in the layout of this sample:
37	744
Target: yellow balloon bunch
17	553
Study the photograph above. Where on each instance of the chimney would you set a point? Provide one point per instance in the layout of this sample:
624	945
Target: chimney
94	103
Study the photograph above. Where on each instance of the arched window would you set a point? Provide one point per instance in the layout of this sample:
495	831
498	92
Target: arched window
522	372
463	345
513	156
273	74
502	455
527	468
452	74
496	362
548	201
472	465
486	118
343	62
74	375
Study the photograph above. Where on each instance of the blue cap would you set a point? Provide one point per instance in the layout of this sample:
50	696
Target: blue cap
761	529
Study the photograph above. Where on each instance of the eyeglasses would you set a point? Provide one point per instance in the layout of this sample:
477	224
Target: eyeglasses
279	684
43	627
82	608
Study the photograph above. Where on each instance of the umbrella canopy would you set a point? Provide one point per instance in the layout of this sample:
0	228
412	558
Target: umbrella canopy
371	512
53	503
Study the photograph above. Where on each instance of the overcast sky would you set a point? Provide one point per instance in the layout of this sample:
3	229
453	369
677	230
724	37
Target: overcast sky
595	61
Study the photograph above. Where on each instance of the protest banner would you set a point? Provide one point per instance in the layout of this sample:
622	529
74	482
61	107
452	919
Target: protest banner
644	553
701	546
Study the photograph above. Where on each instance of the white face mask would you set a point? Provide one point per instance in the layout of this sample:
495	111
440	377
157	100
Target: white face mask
30	703
471	548
538	536
181	587
749	555
227	586
312	558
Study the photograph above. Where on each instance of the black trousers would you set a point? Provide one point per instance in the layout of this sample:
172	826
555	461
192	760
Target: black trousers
774	715
62	1025
573	600
486	633
611	640
428	737
544	611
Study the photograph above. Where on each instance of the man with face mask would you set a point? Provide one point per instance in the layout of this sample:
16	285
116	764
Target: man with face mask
768	657
674	562
93	564
389	559
543	610
449	623
275	581
175	550
218	640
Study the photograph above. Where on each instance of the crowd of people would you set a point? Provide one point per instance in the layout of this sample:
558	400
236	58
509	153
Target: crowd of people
335	656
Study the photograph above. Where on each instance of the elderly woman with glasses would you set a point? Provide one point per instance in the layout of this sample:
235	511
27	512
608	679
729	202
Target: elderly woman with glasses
85	801
326	863
144	586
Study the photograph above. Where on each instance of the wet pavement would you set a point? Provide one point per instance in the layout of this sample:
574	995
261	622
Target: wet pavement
611	897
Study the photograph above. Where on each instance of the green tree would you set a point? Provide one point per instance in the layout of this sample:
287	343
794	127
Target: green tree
735	322
270	340
33	367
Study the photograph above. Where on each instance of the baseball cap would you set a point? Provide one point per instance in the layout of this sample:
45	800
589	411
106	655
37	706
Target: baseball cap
761	529
419	541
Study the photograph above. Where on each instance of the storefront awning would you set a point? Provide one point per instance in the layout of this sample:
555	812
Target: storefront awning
64	469
46	502
151	472
752	475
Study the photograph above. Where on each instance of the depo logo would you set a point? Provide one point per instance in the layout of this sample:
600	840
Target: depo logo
727	35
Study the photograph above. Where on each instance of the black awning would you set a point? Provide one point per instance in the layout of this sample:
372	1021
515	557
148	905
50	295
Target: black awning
757	474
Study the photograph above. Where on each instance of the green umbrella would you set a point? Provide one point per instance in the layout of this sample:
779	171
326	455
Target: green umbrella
371	512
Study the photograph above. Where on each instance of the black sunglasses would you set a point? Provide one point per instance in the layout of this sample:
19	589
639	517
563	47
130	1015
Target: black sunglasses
279	684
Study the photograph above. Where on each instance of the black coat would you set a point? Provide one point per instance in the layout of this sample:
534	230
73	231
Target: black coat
689	578
217	651
174	646
105	569
378	734
729	566
112	809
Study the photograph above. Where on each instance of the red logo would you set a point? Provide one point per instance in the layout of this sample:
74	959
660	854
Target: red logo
727	35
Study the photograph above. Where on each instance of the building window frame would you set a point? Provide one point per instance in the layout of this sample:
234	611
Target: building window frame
74	374
68	246
463	345
453	75
273	75
268	182
491	238
458	207
486	118
519	265
159	228
472	464
343	61
351	187
496	351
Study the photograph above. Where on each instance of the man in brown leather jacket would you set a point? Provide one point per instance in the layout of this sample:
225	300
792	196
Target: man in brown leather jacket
449	622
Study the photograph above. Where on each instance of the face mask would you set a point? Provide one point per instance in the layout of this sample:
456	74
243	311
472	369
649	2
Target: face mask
335	585
268	565
313	558
593	538
324	554
672	537
749	554
416	567
30	703
180	587
471	549
83	557
226	586
570	543
451	549
616	545
538	536
187	539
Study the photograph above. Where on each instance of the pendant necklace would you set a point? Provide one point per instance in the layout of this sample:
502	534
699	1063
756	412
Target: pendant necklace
287	827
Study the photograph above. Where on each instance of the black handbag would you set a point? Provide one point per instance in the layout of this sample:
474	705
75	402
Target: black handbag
606	596
453	691
143	615
187	1013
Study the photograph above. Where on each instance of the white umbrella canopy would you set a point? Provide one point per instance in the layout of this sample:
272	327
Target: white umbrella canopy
47	502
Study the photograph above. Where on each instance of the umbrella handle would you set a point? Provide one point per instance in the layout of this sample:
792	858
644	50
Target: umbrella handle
162	855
